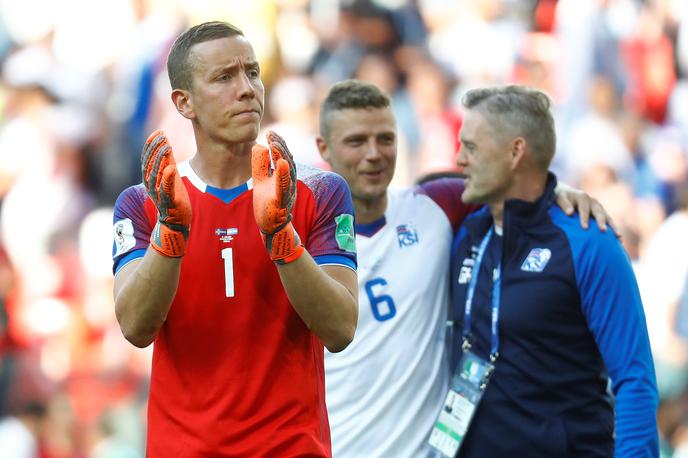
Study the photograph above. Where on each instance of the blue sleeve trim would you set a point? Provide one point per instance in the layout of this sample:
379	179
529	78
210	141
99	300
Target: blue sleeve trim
121	262
335	259
611	303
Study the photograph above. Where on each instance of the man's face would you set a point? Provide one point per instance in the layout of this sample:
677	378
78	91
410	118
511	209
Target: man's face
362	148
485	158
226	93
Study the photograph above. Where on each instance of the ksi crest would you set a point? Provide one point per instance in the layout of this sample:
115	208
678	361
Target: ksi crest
406	235
536	260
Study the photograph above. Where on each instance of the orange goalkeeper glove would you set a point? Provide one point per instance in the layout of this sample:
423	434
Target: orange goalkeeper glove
274	194
168	193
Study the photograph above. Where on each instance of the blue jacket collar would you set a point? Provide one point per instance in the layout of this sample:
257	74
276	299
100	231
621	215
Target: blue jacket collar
516	212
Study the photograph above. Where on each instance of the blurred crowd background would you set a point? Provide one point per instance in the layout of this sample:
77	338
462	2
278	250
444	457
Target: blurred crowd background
82	83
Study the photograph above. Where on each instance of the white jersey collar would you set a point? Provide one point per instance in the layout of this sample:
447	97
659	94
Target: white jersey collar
185	170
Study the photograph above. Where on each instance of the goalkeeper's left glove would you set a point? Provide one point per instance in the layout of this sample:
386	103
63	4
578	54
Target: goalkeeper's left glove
274	194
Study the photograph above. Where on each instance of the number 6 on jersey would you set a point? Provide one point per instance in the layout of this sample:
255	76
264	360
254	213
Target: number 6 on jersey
376	300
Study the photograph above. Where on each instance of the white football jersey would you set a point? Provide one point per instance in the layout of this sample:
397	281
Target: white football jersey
385	389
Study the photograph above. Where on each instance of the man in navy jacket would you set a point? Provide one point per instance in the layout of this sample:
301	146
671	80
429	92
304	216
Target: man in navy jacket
567	316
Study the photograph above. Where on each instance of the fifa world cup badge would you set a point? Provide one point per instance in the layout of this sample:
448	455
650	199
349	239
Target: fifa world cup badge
344	232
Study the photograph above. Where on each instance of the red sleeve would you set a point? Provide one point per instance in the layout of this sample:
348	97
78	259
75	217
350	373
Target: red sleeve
446	192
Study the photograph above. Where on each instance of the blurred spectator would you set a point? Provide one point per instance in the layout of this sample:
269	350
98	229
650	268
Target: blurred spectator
8	345
293	110
595	138
649	56
340	50
665	270
438	122
537	63
668	160
107	443
130	104
19	432
681	320
645	181
476	39
381	70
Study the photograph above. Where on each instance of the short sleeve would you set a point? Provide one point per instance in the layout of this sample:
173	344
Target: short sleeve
131	227
332	239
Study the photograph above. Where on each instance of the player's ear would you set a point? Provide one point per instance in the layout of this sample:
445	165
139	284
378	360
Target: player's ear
322	149
182	101
518	151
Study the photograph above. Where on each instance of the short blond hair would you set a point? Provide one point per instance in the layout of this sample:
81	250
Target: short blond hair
350	94
519	111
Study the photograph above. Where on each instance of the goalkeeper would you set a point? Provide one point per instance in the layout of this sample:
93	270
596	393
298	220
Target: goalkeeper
235	267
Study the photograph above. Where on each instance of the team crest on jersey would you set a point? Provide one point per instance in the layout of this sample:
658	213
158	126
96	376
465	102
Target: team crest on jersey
406	235
536	260
226	235
124	236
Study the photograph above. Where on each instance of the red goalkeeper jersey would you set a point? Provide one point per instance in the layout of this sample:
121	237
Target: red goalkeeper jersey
235	371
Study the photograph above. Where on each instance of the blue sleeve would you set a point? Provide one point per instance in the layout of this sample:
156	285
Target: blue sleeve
131	227
612	306
332	233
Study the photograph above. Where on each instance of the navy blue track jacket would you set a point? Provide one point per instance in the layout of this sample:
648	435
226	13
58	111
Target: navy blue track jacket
570	318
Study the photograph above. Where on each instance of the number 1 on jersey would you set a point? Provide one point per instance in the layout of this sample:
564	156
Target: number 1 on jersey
229	271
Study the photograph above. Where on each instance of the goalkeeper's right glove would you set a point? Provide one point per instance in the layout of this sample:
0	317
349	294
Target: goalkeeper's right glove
168	193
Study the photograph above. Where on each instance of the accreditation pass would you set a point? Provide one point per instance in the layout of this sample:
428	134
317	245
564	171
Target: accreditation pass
452	424
467	389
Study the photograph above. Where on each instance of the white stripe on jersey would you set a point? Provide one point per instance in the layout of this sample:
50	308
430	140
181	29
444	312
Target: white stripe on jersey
185	170
385	390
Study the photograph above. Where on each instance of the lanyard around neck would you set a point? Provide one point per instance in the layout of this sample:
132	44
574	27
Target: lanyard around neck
496	291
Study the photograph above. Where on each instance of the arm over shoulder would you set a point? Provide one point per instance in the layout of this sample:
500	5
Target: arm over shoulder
446	193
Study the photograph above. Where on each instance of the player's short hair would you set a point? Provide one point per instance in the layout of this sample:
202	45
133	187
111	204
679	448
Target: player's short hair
180	63
518	111
351	94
